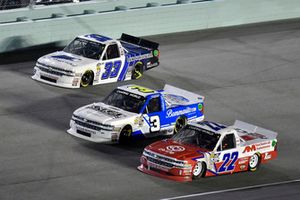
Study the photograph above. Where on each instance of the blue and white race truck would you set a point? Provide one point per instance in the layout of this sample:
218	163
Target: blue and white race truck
94	59
133	110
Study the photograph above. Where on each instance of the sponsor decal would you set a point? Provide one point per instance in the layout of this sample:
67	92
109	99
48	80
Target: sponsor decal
263	145
85	130
176	98
259	146
129	94
242	167
242	161
66	57
274	142
141	57
200	106
268	156
249	148
139	120
214	157
106	111
172	149
171	113
175	148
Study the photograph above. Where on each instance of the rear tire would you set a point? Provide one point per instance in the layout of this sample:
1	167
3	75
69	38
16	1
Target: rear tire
179	124
254	162
138	71
125	135
198	170
87	78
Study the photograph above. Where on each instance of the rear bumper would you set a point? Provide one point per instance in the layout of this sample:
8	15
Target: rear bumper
164	175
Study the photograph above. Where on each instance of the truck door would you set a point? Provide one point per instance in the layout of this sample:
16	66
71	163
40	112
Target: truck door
113	62
153	114
228	154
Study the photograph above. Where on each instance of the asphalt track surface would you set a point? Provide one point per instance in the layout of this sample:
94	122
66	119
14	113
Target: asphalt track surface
249	73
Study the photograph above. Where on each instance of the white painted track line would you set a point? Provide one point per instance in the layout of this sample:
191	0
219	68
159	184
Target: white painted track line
233	189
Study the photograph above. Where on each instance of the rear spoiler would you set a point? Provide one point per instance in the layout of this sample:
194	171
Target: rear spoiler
192	97
255	129
139	41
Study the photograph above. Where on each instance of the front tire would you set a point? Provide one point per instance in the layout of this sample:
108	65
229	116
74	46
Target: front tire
125	135
87	78
254	162
198	170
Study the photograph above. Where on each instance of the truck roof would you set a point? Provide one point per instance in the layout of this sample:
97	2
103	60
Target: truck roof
97	38
247	132
139	90
211	126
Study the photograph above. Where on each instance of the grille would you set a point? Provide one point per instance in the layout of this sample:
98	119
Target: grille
48	79
54	70
159	162
92	123
87	125
174	161
47	70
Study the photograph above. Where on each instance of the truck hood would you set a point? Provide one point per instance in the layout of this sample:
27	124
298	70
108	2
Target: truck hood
176	150
64	60
104	114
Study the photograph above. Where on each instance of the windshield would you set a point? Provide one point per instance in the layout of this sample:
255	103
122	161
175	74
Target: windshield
198	137
125	100
85	48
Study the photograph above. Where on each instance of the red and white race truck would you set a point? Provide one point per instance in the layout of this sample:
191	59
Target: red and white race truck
209	149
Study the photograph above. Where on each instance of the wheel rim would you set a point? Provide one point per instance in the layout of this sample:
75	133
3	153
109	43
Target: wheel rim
197	169
137	74
127	133
179	124
86	79
253	161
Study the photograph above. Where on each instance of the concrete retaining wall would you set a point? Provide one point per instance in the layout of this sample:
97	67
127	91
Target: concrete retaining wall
147	21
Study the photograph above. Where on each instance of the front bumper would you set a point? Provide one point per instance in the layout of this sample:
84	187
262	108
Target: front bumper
56	80
85	133
164	175
171	173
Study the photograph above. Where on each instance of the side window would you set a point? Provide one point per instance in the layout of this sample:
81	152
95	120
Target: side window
228	142
154	105
112	52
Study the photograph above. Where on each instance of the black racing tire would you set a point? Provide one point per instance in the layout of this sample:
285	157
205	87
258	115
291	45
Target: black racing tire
254	162
87	78
179	124
125	135
198	170
138	71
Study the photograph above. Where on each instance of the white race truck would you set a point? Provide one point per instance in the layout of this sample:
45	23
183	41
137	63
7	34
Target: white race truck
95	59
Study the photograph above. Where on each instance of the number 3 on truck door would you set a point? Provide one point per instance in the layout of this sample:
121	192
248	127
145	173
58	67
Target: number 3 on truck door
154	123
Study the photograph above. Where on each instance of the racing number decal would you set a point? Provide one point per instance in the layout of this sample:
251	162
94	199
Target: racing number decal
141	89
154	123
214	126
226	158
111	69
